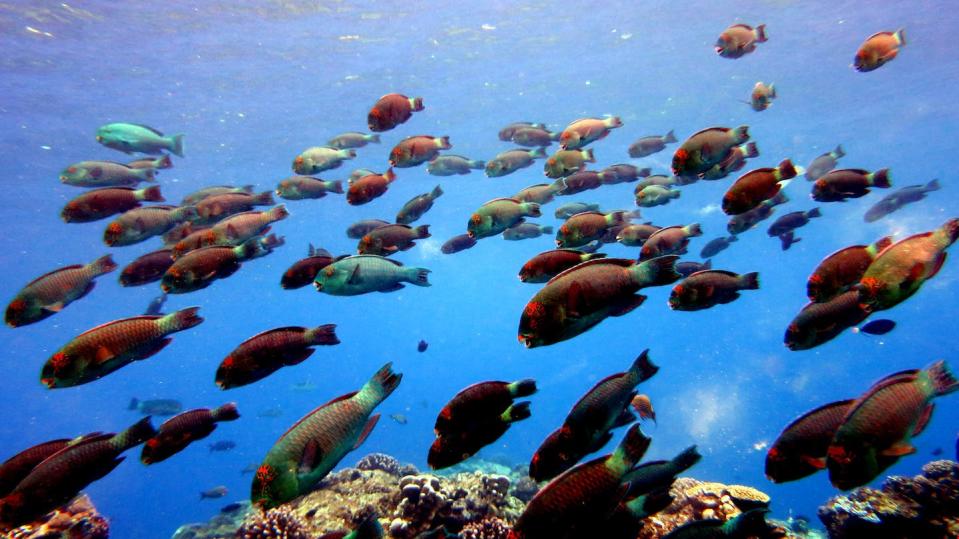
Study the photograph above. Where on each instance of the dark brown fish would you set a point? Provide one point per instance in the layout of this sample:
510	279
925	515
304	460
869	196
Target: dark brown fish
304	271
198	269
755	186
390	239
361	228
391	110
744	221
217	207
107	201
265	353
15	468
800	450
368	187
705	289
147	268
839	185
417	206
669	240
647	146
818	323
842	269
176	433
739	40
458	243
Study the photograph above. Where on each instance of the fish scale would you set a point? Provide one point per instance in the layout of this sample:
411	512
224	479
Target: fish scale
807	437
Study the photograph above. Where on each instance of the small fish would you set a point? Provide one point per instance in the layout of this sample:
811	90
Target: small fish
157	163
565	162
623	173
876	327
250	468
304	271
218	207
818	323
198	269
314	445
735	160
716	246
791	221
687	268
843	269
205	192
739	40
176	433
568	210
390	239
105	174
655	195
762	96
392	110
369	187
510	161
353	139
534	136
707	148
316	159
525	231
752	523
307	187
744	221
843	184
506	134
305	385
643	407
800	450
669	240
449	165
361	228
107	201
221	446
585	227
267	352
416	150
417	206
541	193
936	452
214	493
709	288
878	49
422	346
495	216
584	131
636	235
647	146
898	199
546	265
363	274
755	186
156	306
52	292
158	407
275	411
787	240
821	165
140	224
129	138
458	243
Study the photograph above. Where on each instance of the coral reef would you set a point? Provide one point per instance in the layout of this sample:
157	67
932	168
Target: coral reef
490	528
385	463
926	505
277	523
79	519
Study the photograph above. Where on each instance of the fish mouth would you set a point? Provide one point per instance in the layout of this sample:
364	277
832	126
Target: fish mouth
99	138
318	286
49	382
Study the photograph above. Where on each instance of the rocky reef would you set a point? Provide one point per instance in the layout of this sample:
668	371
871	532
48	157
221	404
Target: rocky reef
78	519
926	505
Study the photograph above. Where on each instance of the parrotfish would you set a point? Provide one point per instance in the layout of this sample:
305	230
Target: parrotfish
878	49
757	185
390	239
707	148
362	274
739	40
107	201
510	161
669	240
141	224
586	130
843	269
50	293
105	174
705	289
199	268
449	165
304	271
129	138
898	199
265	353
176	433
839	185
800	450
368	187
824	163
304	187
417	206
566	162
497	215
416	150
647	146
316	159
391	110
818	323
353	139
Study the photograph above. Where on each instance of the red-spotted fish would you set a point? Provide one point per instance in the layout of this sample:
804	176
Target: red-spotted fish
392	110
176	433
584	131
708	288
50	293
878	49
304	271
265	353
800	450
739	40
843	269
107	201
416	150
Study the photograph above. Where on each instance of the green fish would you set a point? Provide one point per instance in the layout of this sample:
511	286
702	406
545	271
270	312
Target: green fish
314	445
497	215
129	138
750	523
362	274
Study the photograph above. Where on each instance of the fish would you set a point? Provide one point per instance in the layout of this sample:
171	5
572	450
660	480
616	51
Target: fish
646	146
876	327
129	138
221	446
582	132
399	418
840	185
623	173
534	136
882	423
821	165
565	162
577	182
390	239
316	159
234	230
362	274
422	346
755	186
510	161
589	423
735	160
548	264
158	407
198	269
739	40
583	296
687	268
705	289
658	179
581	495
250	468
788	239
744	221
568	210
368	528
102	350
451	448
178	432
800	449
361	228
147	268
878	49
157	163
198	195
53	291
751	523
353	139
660	474
762	96
495	216
896	200
636	235
57	479
15	468
669	240
107	201
392	110
369	187
900	270
450	165
644	407
525	231
416	150
585	227
265	353
140	224
275	411
218	207
458	243
541	193
307	187
105	174
314	445
304	271
155	307
214	493
791	221
843	269
716	246
707	148
506	134
818	323
418	206
655	195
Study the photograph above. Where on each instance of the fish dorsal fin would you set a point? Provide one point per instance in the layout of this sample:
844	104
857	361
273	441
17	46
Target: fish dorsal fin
49	273
390	260
106	324
889	381
315	410
741	25
298	329
587	212
235	215
717	272
511	199
321	252
708	129
152	130
622	262
880	34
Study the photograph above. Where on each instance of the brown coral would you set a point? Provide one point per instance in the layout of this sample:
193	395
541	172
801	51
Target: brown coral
79	518
277	523
490	528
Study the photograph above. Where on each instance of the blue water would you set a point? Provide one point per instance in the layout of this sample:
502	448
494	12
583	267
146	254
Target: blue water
253	84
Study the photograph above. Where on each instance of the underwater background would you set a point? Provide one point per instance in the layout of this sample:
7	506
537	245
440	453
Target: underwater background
252	84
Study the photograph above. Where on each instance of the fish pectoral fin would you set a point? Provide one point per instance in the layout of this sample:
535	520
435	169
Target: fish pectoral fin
575	301
817	463
355	277
625	418
937	265
900	449
231	231
392	288
310	458
140	224
889	55
152	348
627	305
923	420
86	290
104	354
367	429
295	357
55	307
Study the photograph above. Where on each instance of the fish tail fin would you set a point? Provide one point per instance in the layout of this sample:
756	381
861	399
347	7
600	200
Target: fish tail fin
185	319
694	230
374	137
477	164
588	155
516	412
880	244
532	209
751	150
546	229
669	137
389	175
761	33
264	199
384	381
325	334
880	178
708	264
104	264
135	435
687	459
617	218
279	212
152	194
164	162
436	192
271	242
643	367
772	90
416	104
147	174
336	186
632	448
943	381
348	154
662	270
900	36
750	281
420	277
537	153
134	402
422	231
558	186
741	133
932	186
226	412
751	522
786	170
444	143
951	228
177	145
522	388
838	152
813	213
